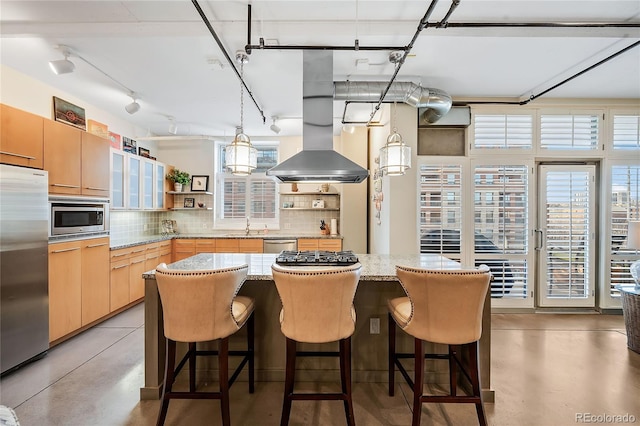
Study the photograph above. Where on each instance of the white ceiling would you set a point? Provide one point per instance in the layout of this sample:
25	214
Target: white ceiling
161	50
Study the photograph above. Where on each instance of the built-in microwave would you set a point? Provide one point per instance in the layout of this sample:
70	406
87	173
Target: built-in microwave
78	216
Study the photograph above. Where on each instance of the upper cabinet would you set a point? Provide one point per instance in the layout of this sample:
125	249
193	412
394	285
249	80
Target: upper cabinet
77	161
136	182
21	138
95	165
62	145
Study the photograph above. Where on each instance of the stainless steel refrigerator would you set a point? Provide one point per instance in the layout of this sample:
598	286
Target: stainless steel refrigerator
24	295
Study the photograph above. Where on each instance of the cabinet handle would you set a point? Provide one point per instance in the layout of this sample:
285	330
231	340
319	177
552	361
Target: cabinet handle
119	267
64	186
120	255
154	257
69	249
17	155
138	251
97	189
96	245
139	261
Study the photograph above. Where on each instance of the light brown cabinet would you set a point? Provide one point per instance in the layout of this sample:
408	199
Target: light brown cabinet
65	288
250	245
327	244
21	138
127	266
95	165
119	281
77	161
62	145
95	279
183	248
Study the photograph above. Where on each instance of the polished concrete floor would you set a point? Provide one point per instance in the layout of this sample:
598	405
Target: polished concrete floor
547	369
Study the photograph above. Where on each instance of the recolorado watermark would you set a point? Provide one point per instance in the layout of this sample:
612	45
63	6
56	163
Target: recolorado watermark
605	418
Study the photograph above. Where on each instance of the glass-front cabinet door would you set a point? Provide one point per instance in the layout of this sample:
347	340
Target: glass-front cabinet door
134	183
117	179
160	185
147	184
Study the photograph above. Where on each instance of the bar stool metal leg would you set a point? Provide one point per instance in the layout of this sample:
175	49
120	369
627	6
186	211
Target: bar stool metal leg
169	365
392	354
251	350
345	374
192	367
223	372
418	382
474	367
289	378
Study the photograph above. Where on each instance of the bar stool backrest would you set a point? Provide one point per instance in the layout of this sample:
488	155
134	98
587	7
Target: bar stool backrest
197	305
446	306
317	303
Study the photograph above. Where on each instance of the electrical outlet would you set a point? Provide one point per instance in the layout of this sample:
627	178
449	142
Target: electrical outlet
287	226
374	326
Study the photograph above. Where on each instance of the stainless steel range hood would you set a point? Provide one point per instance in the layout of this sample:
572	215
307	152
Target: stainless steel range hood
318	162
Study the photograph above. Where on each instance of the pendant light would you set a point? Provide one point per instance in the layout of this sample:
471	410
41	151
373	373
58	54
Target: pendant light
241	156
395	156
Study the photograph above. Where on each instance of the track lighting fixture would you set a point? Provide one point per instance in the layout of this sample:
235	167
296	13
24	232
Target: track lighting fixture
134	106
173	127
274	127
62	66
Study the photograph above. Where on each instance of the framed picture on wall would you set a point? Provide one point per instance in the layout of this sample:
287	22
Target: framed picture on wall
189	203
68	113
199	183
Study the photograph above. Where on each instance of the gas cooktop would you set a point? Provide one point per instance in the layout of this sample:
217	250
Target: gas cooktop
316	258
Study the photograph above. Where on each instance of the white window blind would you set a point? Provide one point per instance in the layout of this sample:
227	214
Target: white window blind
253	196
569	132
503	131
501	243
626	132
625	206
438	236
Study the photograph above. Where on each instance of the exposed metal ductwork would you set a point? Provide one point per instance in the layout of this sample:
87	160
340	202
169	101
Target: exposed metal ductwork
435	101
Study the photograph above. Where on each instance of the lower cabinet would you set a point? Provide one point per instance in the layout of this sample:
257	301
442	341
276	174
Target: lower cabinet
327	244
78	284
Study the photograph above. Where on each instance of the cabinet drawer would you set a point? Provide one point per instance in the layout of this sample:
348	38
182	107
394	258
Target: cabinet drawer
152	247
307	244
206	245
250	245
182	244
226	245
330	244
119	254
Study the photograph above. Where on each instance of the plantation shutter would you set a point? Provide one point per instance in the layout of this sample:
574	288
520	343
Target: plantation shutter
569	132
503	131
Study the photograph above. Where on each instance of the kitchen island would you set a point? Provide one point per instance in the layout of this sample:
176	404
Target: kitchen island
378	282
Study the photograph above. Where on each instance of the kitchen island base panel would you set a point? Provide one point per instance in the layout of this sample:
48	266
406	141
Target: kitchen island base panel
369	351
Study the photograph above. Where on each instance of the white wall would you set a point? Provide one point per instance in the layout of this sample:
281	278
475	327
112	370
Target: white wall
36	97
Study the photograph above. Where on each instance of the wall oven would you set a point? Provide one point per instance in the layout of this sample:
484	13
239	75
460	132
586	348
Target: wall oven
78	216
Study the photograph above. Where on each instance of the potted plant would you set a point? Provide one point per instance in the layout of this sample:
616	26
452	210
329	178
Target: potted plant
179	178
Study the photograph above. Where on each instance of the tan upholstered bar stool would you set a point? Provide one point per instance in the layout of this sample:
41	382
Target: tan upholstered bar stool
200	306
442	307
317	307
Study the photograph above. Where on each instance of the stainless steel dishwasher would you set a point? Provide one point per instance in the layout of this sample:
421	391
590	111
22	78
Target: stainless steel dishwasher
276	246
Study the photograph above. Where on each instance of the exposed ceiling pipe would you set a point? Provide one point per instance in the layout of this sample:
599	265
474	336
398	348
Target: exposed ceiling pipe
421	26
555	86
437	101
226	55
535	25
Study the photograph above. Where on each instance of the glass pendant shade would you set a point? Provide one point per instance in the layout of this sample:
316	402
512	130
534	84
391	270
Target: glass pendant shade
395	156
241	156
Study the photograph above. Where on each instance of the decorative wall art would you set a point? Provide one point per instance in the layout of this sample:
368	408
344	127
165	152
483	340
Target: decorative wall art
115	140
68	113
129	145
377	196
189	203
97	128
143	152
199	183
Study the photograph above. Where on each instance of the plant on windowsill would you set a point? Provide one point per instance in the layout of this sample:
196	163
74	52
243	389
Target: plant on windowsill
179	178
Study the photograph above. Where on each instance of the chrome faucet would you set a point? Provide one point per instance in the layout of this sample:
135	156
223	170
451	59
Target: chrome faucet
246	230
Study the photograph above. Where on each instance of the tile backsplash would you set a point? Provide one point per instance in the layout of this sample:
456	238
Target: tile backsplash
127	224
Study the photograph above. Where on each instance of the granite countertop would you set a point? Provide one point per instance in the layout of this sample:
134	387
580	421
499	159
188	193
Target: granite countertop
375	267
118	243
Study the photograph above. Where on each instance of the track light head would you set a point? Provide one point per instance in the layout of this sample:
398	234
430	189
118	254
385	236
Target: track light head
274	127
133	107
62	66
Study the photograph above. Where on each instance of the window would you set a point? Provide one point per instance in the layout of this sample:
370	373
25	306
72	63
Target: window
568	131
625	188
503	131
253	197
626	132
